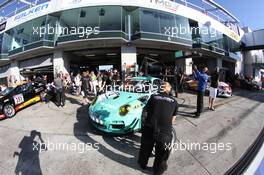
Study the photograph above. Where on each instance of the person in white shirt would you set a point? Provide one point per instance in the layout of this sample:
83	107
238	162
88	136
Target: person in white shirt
78	84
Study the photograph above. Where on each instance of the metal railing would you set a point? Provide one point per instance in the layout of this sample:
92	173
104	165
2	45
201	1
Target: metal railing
209	9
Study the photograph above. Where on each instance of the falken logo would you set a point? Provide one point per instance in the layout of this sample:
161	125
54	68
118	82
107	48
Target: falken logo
32	11
166	4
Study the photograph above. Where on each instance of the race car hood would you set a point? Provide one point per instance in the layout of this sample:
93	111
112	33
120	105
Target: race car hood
115	102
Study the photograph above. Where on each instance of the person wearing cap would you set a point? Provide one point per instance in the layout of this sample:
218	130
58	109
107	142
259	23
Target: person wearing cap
202	79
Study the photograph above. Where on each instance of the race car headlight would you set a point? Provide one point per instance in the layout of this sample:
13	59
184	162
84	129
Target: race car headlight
123	110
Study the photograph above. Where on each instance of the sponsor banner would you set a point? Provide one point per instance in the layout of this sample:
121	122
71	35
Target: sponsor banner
31	13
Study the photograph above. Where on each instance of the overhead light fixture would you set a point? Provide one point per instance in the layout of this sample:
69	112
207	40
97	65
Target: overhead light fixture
91	55
154	54
111	54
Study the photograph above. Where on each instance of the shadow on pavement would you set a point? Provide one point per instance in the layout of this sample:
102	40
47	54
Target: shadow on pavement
83	130
252	95
73	100
28	157
186	114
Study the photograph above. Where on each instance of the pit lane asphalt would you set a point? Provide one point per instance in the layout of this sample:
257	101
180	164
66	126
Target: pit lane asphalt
237	120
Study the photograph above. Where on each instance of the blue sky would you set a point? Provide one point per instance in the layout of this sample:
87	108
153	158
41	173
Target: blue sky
249	12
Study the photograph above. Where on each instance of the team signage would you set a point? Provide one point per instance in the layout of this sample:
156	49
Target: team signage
31	11
166	4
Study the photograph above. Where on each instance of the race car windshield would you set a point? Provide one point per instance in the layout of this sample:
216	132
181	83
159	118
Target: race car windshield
137	86
6	91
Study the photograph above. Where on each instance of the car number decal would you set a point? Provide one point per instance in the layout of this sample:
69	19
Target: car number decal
18	99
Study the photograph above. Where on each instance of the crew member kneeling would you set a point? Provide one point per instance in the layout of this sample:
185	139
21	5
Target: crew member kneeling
161	112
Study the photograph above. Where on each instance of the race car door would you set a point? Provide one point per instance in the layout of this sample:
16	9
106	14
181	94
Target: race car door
22	94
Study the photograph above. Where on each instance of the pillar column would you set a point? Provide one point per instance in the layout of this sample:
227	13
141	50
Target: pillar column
59	63
128	59
188	66
14	72
219	63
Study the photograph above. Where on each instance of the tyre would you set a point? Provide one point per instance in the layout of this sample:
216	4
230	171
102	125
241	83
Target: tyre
9	110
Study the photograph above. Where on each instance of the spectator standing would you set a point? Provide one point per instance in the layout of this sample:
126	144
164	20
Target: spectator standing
108	81
213	88
85	87
77	81
104	79
100	80
116	77
262	81
72	77
124	72
59	90
93	82
180	80
202	78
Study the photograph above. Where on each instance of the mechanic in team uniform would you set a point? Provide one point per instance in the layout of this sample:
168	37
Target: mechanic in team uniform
161	112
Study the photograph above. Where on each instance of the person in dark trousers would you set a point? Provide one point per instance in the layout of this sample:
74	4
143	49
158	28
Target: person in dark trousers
180	80
213	88
59	90
262	81
85	87
202	78
161	112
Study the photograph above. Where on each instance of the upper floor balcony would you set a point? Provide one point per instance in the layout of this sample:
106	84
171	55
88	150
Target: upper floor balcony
9	8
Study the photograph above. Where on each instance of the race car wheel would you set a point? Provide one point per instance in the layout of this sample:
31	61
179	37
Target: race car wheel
9	110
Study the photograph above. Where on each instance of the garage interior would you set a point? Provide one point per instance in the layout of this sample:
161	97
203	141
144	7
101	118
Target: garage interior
94	60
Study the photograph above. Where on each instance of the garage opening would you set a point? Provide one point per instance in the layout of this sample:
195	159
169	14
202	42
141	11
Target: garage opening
94	60
38	66
155	62
40	71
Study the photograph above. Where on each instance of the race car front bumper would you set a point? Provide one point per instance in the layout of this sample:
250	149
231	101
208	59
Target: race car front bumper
114	126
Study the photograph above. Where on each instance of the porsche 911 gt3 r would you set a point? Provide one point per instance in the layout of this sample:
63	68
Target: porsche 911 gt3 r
120	111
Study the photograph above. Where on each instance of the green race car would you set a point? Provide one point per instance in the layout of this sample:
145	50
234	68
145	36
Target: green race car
119	111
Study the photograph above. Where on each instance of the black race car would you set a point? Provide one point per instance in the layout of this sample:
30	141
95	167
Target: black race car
14	99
